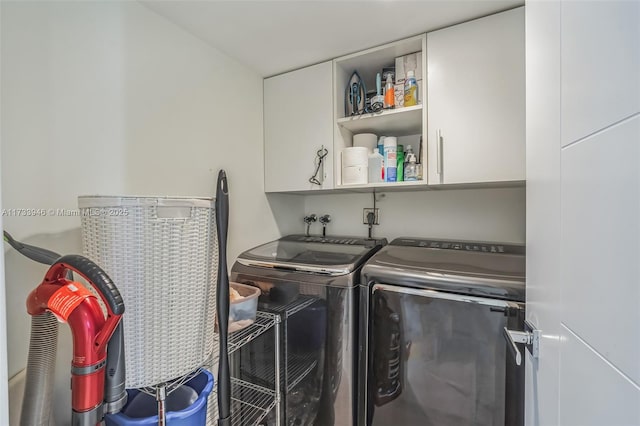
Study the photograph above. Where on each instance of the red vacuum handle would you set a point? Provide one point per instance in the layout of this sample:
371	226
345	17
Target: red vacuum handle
100	281
91	331
93	274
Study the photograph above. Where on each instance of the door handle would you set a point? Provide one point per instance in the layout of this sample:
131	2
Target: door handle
530	338
438	158
439	153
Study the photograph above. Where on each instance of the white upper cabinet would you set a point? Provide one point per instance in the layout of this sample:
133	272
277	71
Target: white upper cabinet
468	127
476	101
298	123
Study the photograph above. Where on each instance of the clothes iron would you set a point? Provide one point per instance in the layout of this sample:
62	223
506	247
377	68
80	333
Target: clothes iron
355	96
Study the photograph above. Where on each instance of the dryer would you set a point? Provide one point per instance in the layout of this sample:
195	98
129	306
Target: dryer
432	341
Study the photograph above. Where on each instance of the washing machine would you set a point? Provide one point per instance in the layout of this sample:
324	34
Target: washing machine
312	283
432	343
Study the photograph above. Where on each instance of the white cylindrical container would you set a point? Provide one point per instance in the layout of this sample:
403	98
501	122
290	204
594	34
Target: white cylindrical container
390	158
367	140
354	175
375	167
355	156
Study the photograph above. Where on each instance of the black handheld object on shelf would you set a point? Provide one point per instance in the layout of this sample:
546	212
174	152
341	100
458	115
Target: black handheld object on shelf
222	294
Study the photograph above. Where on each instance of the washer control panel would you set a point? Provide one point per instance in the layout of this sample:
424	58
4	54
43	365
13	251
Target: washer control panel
349	241
478	246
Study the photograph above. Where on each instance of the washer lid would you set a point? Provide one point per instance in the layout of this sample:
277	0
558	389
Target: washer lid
466	267
329	255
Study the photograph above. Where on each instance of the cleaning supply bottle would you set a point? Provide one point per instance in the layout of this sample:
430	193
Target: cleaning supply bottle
377	102
375	167
400	163
410	89
390	158
389	94
381	152
410	167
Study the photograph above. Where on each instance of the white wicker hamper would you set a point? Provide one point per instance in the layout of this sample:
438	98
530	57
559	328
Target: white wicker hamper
162	254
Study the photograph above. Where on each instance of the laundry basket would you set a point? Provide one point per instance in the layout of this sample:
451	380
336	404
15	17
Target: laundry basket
162	254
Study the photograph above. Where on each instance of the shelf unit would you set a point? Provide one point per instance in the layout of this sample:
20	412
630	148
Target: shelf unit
251	403
297	366
404	121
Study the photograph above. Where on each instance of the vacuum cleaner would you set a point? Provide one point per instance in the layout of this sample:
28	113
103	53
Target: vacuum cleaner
97	368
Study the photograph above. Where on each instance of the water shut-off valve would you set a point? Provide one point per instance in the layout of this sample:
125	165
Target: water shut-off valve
325	220
309	219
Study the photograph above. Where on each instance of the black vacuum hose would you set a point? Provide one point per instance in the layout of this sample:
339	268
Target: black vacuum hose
222	294
37	254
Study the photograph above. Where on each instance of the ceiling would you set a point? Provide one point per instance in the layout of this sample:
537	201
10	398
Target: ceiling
277	36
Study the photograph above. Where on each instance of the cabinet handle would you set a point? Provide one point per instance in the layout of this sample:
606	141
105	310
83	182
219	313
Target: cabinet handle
439	152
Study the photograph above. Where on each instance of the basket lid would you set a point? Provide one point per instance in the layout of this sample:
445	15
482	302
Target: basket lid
88	201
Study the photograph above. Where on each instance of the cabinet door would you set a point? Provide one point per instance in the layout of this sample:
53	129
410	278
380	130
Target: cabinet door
298	114
476	100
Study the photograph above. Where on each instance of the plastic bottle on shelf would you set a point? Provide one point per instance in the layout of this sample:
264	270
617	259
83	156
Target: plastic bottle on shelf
376	167
410	167
410	89
400	163
390	158
381	152
389	94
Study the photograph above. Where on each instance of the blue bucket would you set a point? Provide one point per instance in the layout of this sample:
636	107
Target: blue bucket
138	406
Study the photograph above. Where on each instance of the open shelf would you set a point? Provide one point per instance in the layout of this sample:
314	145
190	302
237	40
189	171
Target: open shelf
371	61
397	122
298	367
386	186
250	403
264	321
288	309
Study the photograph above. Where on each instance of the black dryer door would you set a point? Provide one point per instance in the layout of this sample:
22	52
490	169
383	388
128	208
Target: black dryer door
440	359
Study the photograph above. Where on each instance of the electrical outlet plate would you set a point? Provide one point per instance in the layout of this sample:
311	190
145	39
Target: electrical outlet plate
365	212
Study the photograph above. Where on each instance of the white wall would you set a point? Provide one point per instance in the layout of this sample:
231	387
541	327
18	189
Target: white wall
4	396
496	214
110	98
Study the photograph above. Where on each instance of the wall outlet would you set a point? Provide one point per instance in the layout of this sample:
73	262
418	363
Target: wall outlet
365	212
